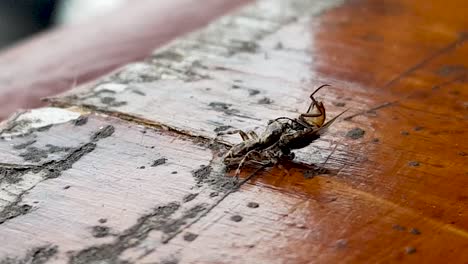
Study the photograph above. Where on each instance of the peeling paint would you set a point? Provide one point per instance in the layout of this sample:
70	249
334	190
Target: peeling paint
23	123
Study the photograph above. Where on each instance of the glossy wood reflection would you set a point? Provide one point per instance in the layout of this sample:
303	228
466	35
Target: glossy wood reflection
409	67
387	183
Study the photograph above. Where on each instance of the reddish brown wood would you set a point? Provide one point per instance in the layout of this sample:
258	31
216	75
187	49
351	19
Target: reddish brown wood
392	182
57	60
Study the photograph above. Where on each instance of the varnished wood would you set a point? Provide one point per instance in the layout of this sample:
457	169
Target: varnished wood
386	184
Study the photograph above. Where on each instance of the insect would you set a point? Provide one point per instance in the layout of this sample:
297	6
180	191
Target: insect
281	135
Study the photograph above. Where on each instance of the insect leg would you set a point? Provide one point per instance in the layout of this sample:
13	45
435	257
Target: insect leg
314	102
318	89
261	163
252	134
243	135
243	161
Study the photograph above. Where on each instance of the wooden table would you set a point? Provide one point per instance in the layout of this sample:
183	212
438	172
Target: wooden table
126	169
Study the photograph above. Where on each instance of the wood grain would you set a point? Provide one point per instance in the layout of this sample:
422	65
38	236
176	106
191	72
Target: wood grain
57	60
386	184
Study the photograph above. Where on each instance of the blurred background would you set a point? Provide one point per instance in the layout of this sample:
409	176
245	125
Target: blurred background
20	19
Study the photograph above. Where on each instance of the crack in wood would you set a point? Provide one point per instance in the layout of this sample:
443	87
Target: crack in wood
51	169
170	219
207	210
386	104
158	219
451	46
147	123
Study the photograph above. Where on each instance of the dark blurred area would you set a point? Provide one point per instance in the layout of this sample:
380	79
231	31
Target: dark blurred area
20	19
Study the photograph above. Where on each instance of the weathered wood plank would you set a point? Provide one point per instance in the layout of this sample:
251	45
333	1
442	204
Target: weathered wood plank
391	185
207	83
208	72
138	180
316	220
32	69
111	208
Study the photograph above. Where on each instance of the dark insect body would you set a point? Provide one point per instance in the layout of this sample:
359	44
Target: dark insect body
281	136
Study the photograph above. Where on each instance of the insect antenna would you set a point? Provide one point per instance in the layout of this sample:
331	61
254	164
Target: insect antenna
318	89
314	102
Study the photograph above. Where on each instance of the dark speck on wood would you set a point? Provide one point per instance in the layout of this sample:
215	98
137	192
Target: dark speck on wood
253	205
226	109
110	101
135	91
223	107
103	133
100	231
404	133
339	104
398	227
248	46
222	128
356	133
253	92
341	243
158	162
265	100
107	100
25	208
219	106
170	260
415	231
190	236
279	46
82	120
236	218
413	163
410	250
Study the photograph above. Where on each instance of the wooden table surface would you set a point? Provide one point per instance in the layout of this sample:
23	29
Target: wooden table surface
126	169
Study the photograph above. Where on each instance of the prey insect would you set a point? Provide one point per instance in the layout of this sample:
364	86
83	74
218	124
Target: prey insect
281	136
